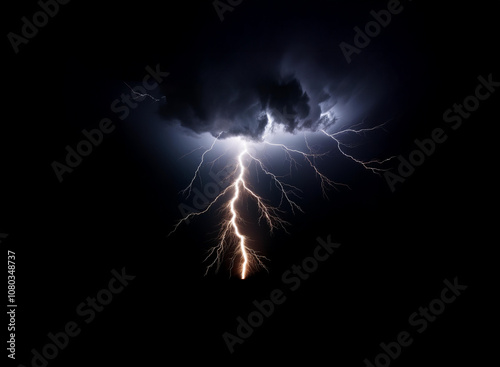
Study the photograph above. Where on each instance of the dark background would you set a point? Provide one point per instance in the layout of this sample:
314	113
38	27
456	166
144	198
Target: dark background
116	208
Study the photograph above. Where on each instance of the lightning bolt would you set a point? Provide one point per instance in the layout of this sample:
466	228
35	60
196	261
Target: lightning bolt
196	173
231	237
234	214
366	164
231	232
310	158
136	95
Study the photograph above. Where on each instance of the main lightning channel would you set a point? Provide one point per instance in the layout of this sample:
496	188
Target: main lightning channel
239	181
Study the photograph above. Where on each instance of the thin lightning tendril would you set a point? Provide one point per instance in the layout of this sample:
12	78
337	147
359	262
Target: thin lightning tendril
136	95
366	164
196	173
326	183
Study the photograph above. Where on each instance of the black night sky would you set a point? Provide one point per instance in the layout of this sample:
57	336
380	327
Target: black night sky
233	69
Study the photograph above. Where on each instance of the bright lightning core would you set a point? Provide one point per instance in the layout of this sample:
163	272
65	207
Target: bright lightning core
231	238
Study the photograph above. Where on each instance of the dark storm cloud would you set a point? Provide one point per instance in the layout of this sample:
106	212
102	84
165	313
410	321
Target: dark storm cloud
291	74
238	99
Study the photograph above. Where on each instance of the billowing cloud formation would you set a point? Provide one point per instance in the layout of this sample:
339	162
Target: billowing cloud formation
296	78
242	99
239	98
